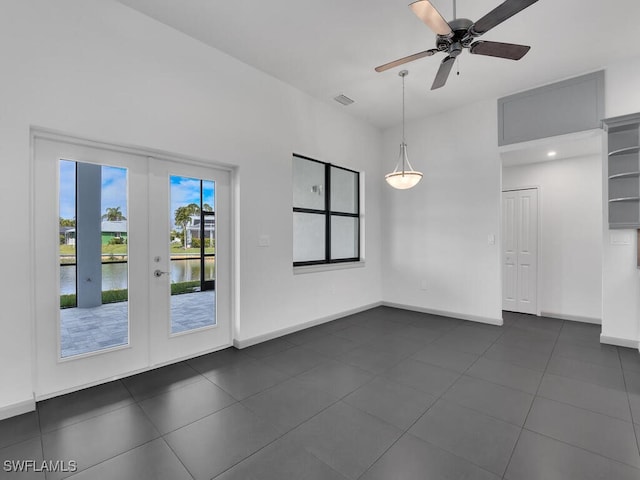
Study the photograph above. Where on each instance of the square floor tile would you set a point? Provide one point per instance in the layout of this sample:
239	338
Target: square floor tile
358	334
371	359
630	359
608	401
396	345
290	403
495	400
506	374
480	331
464	343
537	457
303	336
19	428
345	438
282	461
483	440
222	358
422	376
335	378
75	407
586	372
445	357
181	406
531	359
331	345
18	452
267	348
151	461
422	334
396	404
604	355
595	432
100	438
535	340
215	443
246	378
294	361
159	380
414	459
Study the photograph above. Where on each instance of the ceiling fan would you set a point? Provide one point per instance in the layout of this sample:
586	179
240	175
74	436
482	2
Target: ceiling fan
461	33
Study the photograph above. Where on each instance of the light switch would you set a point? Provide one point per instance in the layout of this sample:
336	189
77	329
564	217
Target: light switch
491	239
264	241
620	238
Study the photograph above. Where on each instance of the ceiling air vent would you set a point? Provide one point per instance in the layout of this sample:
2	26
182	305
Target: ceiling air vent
343	99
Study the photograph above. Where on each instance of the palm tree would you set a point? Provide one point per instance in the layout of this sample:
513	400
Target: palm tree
182	217
113	214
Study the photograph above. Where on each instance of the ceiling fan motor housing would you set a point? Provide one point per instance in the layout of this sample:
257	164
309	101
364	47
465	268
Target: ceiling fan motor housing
458	39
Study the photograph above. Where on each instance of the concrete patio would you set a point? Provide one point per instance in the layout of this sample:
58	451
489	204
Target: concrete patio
84	330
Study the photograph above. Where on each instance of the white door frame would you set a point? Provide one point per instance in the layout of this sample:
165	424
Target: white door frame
61	137
539	240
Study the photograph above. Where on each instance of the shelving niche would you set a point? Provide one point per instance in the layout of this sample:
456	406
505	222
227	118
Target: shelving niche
623	163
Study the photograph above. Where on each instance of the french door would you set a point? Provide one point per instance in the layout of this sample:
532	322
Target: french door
131	262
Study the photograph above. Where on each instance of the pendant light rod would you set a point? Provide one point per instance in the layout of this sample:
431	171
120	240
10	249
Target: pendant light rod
403	153
454	9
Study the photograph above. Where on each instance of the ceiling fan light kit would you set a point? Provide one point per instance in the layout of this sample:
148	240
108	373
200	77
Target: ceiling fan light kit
403	176
460	33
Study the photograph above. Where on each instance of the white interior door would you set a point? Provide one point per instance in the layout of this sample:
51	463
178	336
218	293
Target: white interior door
520	250
103	225
190	246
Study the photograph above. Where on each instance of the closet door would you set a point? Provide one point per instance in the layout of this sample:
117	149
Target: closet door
520	250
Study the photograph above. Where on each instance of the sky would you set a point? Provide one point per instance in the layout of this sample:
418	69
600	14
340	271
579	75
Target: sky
184	190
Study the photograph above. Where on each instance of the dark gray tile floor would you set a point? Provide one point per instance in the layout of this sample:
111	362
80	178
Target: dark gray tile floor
384	394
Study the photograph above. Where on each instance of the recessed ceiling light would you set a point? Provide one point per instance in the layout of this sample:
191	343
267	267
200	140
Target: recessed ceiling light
552	153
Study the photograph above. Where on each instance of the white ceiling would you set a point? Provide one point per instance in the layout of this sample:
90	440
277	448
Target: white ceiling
330	47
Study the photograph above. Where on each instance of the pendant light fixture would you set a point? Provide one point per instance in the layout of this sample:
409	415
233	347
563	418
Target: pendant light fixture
404	176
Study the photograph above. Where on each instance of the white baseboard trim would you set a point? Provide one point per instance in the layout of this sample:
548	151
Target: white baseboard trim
247	342
17	409
619	342
573	318
443	313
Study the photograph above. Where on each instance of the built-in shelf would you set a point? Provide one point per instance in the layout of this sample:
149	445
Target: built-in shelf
624	151
623	170
624	175
624	199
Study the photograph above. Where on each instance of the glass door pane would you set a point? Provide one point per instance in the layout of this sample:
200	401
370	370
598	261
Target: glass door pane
93	238
192	213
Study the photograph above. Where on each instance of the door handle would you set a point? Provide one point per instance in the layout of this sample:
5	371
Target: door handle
159	273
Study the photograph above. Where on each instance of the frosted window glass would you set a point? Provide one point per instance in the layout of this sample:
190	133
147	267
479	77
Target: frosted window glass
344	191
308	184
308	237
344	237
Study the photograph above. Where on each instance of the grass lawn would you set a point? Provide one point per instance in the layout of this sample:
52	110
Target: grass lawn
122	250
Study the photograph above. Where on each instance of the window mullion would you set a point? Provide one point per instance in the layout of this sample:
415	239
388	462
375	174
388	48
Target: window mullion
327	206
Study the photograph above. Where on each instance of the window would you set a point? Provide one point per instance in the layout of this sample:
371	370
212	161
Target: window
326	213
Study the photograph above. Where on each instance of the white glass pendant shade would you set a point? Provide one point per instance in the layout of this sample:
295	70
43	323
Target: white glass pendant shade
404	176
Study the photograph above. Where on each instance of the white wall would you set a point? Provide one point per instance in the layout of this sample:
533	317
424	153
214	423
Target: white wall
570	214
436	234
621	277
100	70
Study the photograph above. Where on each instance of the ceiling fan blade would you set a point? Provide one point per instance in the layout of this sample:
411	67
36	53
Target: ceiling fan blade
431	17
410	58
443	73
498	15
511	51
